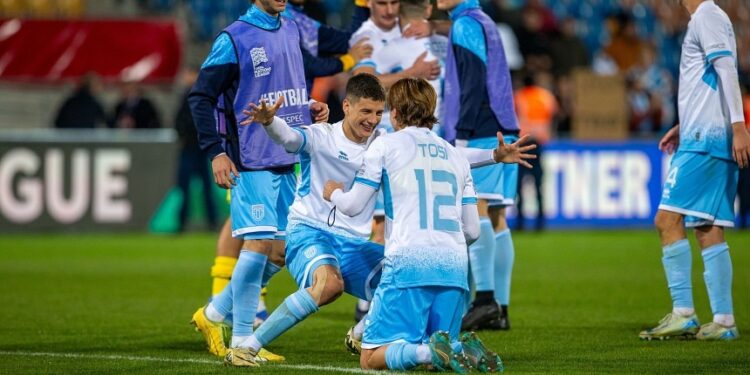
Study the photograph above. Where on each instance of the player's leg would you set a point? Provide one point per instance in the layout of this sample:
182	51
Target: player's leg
394	336
683	194
488	183
361	268
227	251
445	316
312	263
718	278
716	259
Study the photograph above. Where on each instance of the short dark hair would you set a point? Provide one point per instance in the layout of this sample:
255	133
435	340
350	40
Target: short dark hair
364	85
413	7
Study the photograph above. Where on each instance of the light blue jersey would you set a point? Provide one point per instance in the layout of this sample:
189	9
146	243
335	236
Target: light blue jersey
704	125
425	182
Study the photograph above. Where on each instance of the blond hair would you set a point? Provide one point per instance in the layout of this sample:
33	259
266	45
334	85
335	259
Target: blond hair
414	99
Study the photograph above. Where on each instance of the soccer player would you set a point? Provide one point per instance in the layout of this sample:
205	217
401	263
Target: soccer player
314	38
327	253
478	103
257	57
431	213
700	188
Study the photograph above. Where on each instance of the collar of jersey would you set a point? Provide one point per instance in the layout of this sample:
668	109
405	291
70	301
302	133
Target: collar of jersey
465	5
259	18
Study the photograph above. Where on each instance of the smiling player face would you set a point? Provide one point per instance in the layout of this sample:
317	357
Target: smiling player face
384	13
361	117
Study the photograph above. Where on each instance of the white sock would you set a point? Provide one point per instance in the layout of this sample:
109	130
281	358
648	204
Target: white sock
726	320
359	329
363	305
683	311
212	314
423	354
246	342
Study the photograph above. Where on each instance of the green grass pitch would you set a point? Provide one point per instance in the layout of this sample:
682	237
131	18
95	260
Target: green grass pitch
121	304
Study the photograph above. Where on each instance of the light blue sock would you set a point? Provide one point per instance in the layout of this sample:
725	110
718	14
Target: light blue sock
401	356
222	302
481	256
245	282
295	309
268	272
718	277
677	266
504	256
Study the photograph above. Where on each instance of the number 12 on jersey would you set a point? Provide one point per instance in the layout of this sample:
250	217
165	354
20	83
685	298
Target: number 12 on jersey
438	176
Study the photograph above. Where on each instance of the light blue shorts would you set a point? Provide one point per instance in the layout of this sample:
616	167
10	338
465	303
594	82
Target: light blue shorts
260	204
702	188
496	183
411	315
358	260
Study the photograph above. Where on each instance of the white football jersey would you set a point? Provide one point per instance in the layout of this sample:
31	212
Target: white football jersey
379	39
326	154
425	182
704	114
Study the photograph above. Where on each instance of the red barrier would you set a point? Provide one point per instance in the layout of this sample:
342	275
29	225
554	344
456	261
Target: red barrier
56	50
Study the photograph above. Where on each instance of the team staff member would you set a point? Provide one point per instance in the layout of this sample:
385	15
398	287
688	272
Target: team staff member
255	58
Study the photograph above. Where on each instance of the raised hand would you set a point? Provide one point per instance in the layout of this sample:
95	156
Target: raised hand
670	141
330	187
428	70
319	111
361	50
513	153
263	113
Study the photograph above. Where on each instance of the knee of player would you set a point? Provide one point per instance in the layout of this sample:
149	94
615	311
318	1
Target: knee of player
327	285
665	221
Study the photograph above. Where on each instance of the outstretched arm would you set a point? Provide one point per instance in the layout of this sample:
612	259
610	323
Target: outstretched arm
277	128
504	153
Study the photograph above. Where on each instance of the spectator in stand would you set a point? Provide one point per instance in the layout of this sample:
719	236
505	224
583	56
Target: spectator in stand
536	108
535	45
82	109
134	111
192	160
568	51
625	47
547	18
657	81
644	109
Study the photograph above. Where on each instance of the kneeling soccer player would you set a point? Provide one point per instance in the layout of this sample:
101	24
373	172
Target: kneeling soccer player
431	213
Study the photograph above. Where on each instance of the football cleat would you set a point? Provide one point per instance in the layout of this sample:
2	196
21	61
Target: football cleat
241	357
443	357
353	345
478	356
672	325
717	332
502	322
479	316
216	334
266	356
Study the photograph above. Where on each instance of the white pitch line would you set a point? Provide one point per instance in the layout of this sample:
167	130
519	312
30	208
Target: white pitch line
179	360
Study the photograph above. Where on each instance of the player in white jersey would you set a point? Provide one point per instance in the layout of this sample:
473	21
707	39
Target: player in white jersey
702	181
431	214
328	252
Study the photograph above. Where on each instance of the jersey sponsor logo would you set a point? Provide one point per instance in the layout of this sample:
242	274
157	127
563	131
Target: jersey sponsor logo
343	156
258	212
259	57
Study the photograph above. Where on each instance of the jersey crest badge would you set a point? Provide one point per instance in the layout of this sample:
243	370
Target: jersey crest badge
259	57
